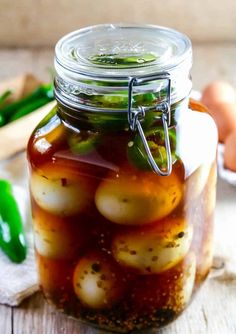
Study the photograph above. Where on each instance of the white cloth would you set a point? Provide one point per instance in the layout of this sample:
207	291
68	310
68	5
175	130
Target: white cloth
18	281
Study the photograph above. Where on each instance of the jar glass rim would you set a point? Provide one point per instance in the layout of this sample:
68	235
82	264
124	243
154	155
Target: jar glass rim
100	50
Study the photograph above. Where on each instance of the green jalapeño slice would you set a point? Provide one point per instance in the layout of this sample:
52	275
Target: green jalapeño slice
83	143
123	59
137	155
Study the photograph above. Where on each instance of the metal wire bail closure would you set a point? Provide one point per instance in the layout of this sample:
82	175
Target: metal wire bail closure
134	117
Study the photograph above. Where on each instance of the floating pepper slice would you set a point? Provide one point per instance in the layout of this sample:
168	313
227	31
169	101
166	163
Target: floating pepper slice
123	59
12	238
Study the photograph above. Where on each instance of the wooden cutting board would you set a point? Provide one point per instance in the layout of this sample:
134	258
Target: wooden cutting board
14	136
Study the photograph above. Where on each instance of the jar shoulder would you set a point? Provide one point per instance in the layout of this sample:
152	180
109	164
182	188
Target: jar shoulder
197	138
46	137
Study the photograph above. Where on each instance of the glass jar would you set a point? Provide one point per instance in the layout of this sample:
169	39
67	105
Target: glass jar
123	179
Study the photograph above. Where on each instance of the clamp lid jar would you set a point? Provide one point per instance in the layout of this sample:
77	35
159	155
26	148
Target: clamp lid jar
123	179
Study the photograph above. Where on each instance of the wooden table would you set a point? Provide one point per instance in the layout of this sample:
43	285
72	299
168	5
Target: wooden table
213	310
208	314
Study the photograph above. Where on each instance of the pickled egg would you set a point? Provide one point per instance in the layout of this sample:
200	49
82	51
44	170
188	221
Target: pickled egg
230	152
60	191
138	199
52	244
56	237
153	249
97	281
170	291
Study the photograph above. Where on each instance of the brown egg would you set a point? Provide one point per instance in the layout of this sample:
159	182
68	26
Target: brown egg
230	152
224	114
218	92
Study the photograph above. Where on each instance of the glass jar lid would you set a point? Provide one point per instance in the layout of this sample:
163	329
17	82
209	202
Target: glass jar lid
121	50
131	68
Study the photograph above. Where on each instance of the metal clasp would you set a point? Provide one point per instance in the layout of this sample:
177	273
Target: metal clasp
134	117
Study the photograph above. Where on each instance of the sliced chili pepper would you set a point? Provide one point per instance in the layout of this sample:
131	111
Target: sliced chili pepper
156	142
120	100
83	143
119	59
12	238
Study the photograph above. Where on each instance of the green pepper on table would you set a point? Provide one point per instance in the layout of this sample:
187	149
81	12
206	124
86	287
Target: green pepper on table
39	97
2	120
25	110
3	99
12	238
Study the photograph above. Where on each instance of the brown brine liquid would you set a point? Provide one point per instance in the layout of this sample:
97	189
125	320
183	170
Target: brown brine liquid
117	246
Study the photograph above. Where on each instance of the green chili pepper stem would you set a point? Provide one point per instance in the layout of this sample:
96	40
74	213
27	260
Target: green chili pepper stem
12	239
5	95
29	108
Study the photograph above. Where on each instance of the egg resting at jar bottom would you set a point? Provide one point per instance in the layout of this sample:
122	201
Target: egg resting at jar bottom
97	280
